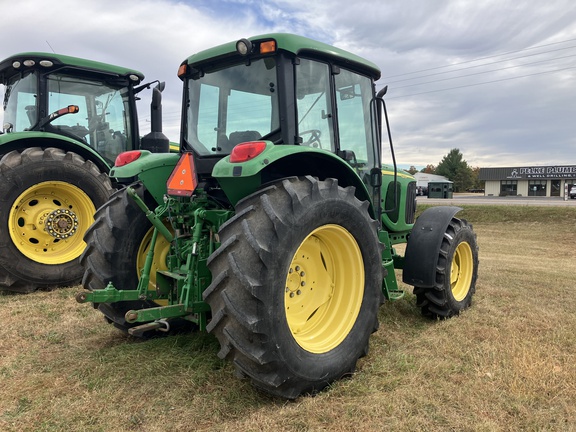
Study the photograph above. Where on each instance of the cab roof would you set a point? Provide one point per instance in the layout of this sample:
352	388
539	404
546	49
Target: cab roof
298	45
7	68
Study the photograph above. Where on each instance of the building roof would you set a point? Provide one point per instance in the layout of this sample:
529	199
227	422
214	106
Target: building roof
528	172
422	179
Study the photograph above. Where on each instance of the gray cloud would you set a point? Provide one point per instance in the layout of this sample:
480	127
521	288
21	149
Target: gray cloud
500	116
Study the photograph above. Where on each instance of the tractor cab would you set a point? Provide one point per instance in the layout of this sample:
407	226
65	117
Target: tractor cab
282	90
84	101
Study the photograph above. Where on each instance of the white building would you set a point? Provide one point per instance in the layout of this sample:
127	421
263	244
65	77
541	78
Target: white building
545	181
422	179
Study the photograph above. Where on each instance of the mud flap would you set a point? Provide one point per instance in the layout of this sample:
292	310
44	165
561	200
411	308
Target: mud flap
424	245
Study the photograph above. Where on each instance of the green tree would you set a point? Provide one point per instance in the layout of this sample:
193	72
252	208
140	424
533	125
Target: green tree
456	169
476	182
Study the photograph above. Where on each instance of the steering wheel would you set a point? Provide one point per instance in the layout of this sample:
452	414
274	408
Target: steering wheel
314	139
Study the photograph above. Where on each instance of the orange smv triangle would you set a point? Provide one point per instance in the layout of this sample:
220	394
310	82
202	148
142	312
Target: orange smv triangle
183	180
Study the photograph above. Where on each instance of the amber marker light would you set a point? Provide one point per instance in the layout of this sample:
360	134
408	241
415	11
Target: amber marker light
182	70
268	47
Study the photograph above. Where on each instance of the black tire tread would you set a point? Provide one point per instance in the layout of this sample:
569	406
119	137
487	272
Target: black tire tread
110	254
436	302
16	272
238	293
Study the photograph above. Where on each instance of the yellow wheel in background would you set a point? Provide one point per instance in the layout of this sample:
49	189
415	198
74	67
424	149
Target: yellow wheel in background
48	220
161	251
324	288
456	271
461	271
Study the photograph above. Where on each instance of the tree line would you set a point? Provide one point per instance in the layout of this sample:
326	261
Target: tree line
456	169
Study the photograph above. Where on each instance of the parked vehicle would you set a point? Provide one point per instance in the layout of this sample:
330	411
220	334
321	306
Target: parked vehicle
65	121
276	227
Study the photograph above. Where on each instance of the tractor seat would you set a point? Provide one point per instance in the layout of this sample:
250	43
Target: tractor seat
242	136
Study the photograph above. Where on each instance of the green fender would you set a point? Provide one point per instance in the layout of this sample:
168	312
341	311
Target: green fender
424	245
153	169
21	140
280	161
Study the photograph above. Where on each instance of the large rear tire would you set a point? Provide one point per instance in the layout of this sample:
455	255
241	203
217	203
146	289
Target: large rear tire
117	244
48	199
456	273
296	285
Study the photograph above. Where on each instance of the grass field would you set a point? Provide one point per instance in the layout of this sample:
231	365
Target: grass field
506	364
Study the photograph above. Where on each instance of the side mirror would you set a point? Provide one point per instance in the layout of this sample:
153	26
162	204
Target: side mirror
382	92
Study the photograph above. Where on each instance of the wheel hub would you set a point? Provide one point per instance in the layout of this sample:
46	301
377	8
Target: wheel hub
61	223
324	288
296	281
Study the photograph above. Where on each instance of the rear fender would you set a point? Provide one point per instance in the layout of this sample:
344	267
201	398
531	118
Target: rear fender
152	169
22	140
280	161
424	245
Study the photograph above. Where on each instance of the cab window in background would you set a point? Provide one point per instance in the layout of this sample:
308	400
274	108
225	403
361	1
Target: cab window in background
101	120
20	107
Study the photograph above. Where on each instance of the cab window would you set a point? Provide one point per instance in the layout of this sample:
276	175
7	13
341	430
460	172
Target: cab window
314	105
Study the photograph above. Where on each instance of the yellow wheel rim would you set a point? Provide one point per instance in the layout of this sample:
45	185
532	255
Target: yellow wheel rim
324	289
461	271
161	251
48	220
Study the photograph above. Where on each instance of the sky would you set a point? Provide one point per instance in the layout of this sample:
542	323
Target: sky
495	79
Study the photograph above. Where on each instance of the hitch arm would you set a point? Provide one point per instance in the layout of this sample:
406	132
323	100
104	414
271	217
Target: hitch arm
109	295
152	217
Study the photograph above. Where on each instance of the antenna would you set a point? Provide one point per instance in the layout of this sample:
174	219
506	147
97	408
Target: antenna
51	47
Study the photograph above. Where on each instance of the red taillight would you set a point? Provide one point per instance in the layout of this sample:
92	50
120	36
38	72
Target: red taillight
246	151
183	180
127	157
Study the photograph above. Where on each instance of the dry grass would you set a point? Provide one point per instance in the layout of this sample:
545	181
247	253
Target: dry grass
508	363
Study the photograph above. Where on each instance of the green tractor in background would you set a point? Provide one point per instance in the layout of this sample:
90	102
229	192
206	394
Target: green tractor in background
66	120
275	228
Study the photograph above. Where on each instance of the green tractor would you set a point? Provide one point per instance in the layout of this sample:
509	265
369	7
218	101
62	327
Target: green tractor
66	120
276	228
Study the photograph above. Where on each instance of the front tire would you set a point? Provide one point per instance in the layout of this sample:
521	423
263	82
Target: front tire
48	199
456	274
296	285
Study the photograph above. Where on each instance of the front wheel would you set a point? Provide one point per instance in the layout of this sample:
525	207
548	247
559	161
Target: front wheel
456	273
48	199
297	285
